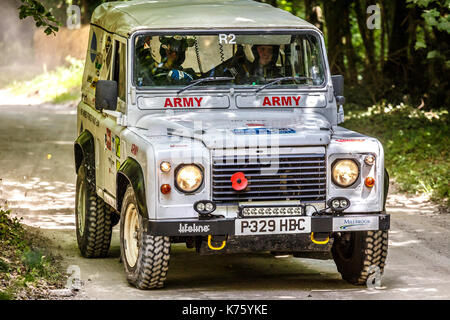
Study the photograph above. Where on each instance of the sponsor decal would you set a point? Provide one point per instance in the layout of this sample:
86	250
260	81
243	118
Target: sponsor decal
111	163
94	83
350	140
113	145
98	63
283	101
89	117
134	149
190	102
117	142
193	228
256	131
349	223
108	139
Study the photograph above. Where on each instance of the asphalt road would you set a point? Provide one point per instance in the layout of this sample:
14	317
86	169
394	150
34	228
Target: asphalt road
38	183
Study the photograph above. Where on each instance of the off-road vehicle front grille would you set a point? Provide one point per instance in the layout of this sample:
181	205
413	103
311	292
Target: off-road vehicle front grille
280	177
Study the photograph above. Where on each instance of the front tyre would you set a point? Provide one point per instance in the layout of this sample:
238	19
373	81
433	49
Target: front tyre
92	219
145	257
358	254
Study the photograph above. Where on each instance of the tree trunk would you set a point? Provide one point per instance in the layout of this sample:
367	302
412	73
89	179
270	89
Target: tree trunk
351	73
333	12
397	61
366	34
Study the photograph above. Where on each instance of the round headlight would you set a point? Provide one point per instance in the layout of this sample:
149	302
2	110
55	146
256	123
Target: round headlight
189	178
345	172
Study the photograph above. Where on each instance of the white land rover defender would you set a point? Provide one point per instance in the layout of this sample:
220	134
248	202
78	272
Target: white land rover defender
216	124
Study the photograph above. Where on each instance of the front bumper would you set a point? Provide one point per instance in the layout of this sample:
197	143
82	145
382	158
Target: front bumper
223	226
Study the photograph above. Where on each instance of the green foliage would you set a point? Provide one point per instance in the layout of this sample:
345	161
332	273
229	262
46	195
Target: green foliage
435	15
6	295
415	142
4	266
11	231
42	17
22	266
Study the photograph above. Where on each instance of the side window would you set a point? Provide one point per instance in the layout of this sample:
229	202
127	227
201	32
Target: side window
119	69
108	50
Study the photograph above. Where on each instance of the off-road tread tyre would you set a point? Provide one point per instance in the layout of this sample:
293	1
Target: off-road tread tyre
150	271
369	249
115	215
96	239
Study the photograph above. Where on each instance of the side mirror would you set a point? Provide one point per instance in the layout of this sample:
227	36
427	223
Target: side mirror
338	85
106	95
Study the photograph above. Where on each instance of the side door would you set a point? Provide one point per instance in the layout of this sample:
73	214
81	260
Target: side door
113	142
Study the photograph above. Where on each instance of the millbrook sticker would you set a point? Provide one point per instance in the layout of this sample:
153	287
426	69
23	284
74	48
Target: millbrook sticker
348	223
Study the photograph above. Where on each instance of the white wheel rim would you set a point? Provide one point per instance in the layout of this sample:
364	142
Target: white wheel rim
81	208
131	235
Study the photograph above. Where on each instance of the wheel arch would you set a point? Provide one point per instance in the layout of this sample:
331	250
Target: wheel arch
84	148
130	173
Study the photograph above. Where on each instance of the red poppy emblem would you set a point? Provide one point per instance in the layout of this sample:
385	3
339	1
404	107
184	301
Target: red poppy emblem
239	182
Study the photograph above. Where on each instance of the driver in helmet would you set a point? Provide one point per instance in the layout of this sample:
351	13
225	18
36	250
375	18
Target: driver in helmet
169	70
264	65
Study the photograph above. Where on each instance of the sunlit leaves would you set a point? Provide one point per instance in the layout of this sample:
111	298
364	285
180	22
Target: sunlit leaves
415	143
42	17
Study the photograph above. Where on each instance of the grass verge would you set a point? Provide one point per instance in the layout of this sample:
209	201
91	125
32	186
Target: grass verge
415	144
27	269
57	86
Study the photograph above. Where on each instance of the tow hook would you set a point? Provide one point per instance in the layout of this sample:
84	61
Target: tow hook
319	241
216	239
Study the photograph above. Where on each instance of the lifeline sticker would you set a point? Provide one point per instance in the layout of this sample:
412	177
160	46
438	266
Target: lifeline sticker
256	131
192	228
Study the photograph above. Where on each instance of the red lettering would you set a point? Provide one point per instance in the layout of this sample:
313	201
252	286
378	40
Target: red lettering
286	101
168	103
297	100
276	101
177	102
188	102
266	101
199	101
350	140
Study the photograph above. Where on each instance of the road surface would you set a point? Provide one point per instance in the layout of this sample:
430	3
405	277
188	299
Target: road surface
38	184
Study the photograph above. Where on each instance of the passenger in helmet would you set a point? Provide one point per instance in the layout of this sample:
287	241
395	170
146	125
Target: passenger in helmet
169	70
264	65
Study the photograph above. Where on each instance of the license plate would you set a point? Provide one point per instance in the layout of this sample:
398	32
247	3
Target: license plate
281	225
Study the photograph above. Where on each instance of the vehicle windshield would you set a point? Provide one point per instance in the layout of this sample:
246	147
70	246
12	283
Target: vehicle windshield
237	60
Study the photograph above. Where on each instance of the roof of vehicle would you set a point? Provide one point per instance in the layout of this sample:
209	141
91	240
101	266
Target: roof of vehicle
125	17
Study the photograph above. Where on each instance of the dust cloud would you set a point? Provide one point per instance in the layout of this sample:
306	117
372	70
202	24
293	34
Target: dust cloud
26	51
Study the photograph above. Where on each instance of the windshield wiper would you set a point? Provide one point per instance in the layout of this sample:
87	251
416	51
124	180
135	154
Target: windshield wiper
282	79
208	79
